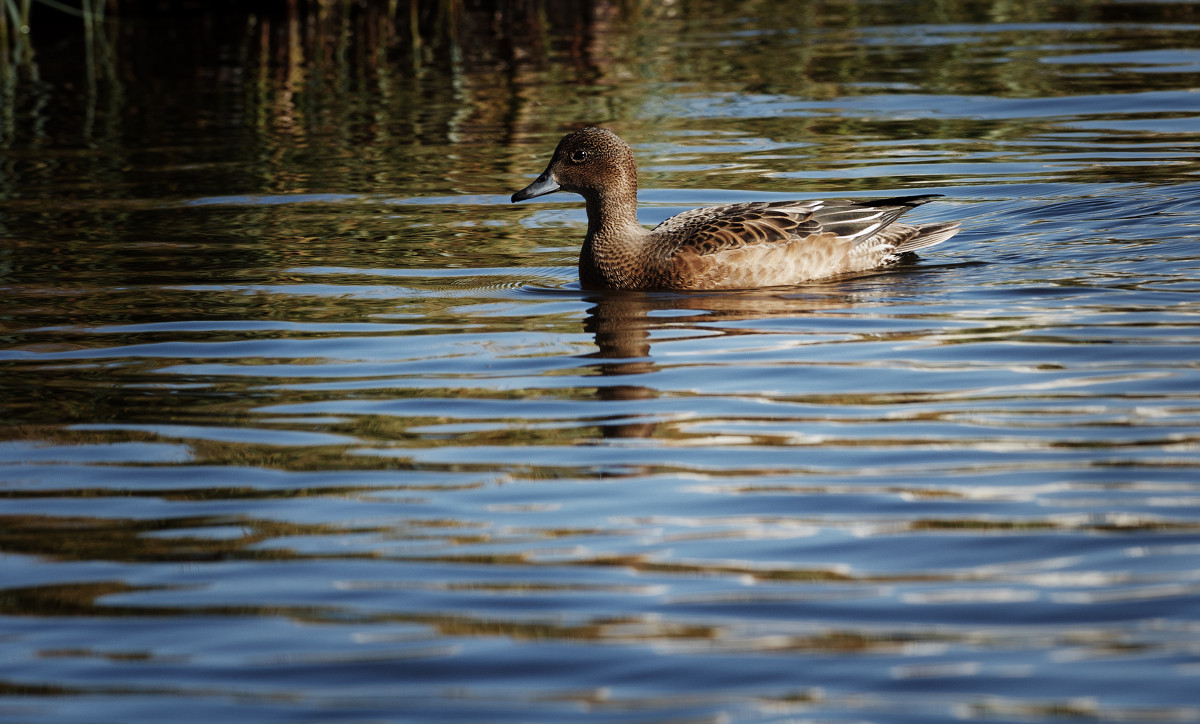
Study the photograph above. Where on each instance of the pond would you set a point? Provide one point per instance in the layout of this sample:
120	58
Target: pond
303	420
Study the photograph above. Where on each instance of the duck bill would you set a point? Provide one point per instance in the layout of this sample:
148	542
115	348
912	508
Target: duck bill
544	184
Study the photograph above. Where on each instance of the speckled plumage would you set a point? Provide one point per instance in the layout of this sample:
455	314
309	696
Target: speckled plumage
736	246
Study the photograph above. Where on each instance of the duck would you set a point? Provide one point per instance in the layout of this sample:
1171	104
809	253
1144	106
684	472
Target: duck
734	246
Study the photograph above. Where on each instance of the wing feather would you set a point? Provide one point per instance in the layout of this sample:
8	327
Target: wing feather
717	229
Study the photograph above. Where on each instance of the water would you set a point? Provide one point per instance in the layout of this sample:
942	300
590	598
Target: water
303	421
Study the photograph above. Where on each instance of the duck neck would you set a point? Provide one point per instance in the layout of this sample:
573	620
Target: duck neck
612	256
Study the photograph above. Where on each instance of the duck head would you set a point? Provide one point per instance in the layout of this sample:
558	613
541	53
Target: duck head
591	162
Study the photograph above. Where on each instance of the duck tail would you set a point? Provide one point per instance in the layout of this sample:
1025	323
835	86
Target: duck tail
909	201
928	235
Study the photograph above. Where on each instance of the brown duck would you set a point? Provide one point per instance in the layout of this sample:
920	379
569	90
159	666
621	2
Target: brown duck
736	246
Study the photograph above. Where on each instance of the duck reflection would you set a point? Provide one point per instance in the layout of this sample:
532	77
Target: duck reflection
623	324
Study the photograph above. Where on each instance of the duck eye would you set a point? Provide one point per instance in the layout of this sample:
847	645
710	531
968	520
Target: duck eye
580	155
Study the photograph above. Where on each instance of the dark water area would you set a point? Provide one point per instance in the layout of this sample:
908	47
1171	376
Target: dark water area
302	421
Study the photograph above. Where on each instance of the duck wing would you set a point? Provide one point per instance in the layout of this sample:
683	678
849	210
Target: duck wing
783	242
875	223
715	229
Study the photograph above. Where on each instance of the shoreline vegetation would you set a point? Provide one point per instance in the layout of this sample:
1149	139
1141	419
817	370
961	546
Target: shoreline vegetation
417	33
436	75
340	50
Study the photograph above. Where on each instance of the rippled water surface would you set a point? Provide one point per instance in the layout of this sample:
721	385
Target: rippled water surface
303	421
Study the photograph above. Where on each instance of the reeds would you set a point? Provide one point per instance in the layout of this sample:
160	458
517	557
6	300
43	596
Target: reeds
15	44
16	34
